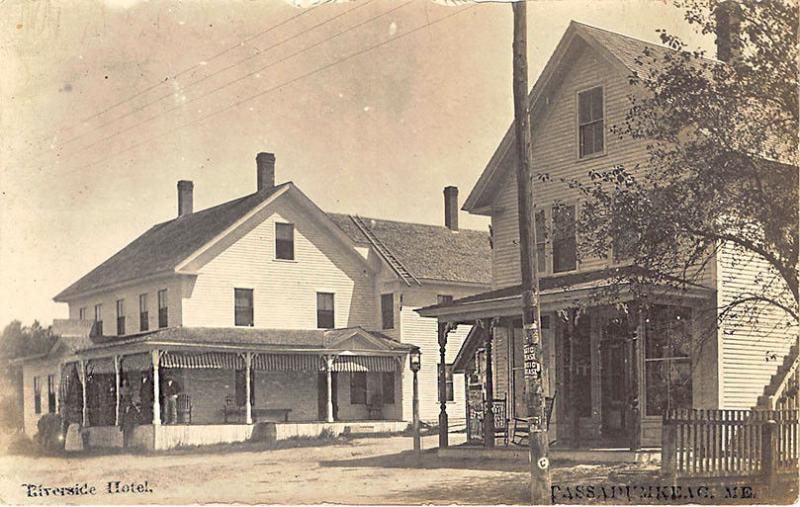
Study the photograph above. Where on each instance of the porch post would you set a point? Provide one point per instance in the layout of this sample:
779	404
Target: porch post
116	390
248	406
329	387
443	329
84	396
635	409
488	418
156	388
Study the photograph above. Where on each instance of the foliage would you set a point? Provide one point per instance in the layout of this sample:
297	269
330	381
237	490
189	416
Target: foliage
20	341
722	169
50	435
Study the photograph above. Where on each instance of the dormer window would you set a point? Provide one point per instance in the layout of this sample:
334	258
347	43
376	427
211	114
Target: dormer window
284	241
590	122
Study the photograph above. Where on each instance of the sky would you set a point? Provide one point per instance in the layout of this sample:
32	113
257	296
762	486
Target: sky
371	107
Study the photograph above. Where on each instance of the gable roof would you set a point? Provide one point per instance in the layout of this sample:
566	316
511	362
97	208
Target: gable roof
162	247
627	55
427	252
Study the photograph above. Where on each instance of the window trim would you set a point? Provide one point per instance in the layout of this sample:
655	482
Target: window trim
37	395
578	125
252	316
98	318
82	313
120	306
332	310
144	312
163	323
383	316
293	257
551	240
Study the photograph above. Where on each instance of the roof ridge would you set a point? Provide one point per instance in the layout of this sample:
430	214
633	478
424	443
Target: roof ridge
403	222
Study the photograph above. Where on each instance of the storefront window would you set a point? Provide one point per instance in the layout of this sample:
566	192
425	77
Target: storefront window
668	375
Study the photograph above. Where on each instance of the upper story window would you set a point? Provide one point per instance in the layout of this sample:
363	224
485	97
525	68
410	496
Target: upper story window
565	254
243	307
444	299
98	319
590	121
144	315
163	311
541	241
120	316
325	315
82	313
284	241
387	311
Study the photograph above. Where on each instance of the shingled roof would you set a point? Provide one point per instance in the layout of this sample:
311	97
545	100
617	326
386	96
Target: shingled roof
161	248
428	251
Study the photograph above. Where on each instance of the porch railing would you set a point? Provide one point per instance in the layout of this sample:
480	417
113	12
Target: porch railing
729	444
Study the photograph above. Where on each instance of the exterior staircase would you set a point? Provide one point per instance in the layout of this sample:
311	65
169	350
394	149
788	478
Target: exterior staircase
387	255
782	390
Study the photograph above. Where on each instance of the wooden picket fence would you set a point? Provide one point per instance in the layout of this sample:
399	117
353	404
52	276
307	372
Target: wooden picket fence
729	444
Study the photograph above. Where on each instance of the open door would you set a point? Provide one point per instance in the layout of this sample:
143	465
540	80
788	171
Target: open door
614	373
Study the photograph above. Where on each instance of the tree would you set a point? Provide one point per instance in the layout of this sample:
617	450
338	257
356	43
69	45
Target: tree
722	170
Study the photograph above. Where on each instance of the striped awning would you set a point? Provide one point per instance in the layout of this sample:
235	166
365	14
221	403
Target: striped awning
364	363
218	360
287	362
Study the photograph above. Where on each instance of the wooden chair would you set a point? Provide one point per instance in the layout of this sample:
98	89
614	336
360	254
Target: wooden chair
184	408
522	424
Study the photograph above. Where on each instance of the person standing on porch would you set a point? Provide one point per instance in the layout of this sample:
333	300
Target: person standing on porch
171	391
128	413
146	398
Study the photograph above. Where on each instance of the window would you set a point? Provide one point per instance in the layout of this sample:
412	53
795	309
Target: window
444	299
98	319
37	395
668	373
240	388
358	388
144	317
120	316
541	241
163	313
448	382
387	387
590	121
82	313
284	241
325	314
564	246
387	311
51	394
243	307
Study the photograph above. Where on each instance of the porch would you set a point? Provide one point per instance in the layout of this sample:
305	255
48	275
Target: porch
610	370
327	380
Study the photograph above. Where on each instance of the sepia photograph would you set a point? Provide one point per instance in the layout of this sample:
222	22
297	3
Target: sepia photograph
399	252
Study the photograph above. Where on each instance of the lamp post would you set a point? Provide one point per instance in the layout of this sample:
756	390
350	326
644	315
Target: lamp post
415	363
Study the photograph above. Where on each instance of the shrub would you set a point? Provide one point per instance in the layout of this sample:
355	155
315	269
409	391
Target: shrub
51	433
20	444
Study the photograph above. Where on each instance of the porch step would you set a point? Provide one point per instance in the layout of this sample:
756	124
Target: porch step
789	363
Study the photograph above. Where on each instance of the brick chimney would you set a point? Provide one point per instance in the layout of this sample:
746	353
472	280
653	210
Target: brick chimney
451	208
185	197
728	17
265	171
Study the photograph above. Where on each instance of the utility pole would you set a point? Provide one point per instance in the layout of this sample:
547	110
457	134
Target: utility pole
540	464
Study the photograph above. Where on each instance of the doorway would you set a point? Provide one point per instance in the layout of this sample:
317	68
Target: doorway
614	374
322	395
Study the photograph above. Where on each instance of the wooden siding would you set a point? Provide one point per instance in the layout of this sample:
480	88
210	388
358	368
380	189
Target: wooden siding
555	152
130	293
284	292
746	346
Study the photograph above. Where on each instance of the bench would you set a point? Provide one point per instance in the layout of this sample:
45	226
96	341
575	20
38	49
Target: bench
258	413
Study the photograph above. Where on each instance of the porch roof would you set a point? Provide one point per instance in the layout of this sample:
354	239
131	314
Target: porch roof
559	291
311	341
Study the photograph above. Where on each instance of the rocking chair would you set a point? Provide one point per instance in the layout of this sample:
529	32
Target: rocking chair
522	424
